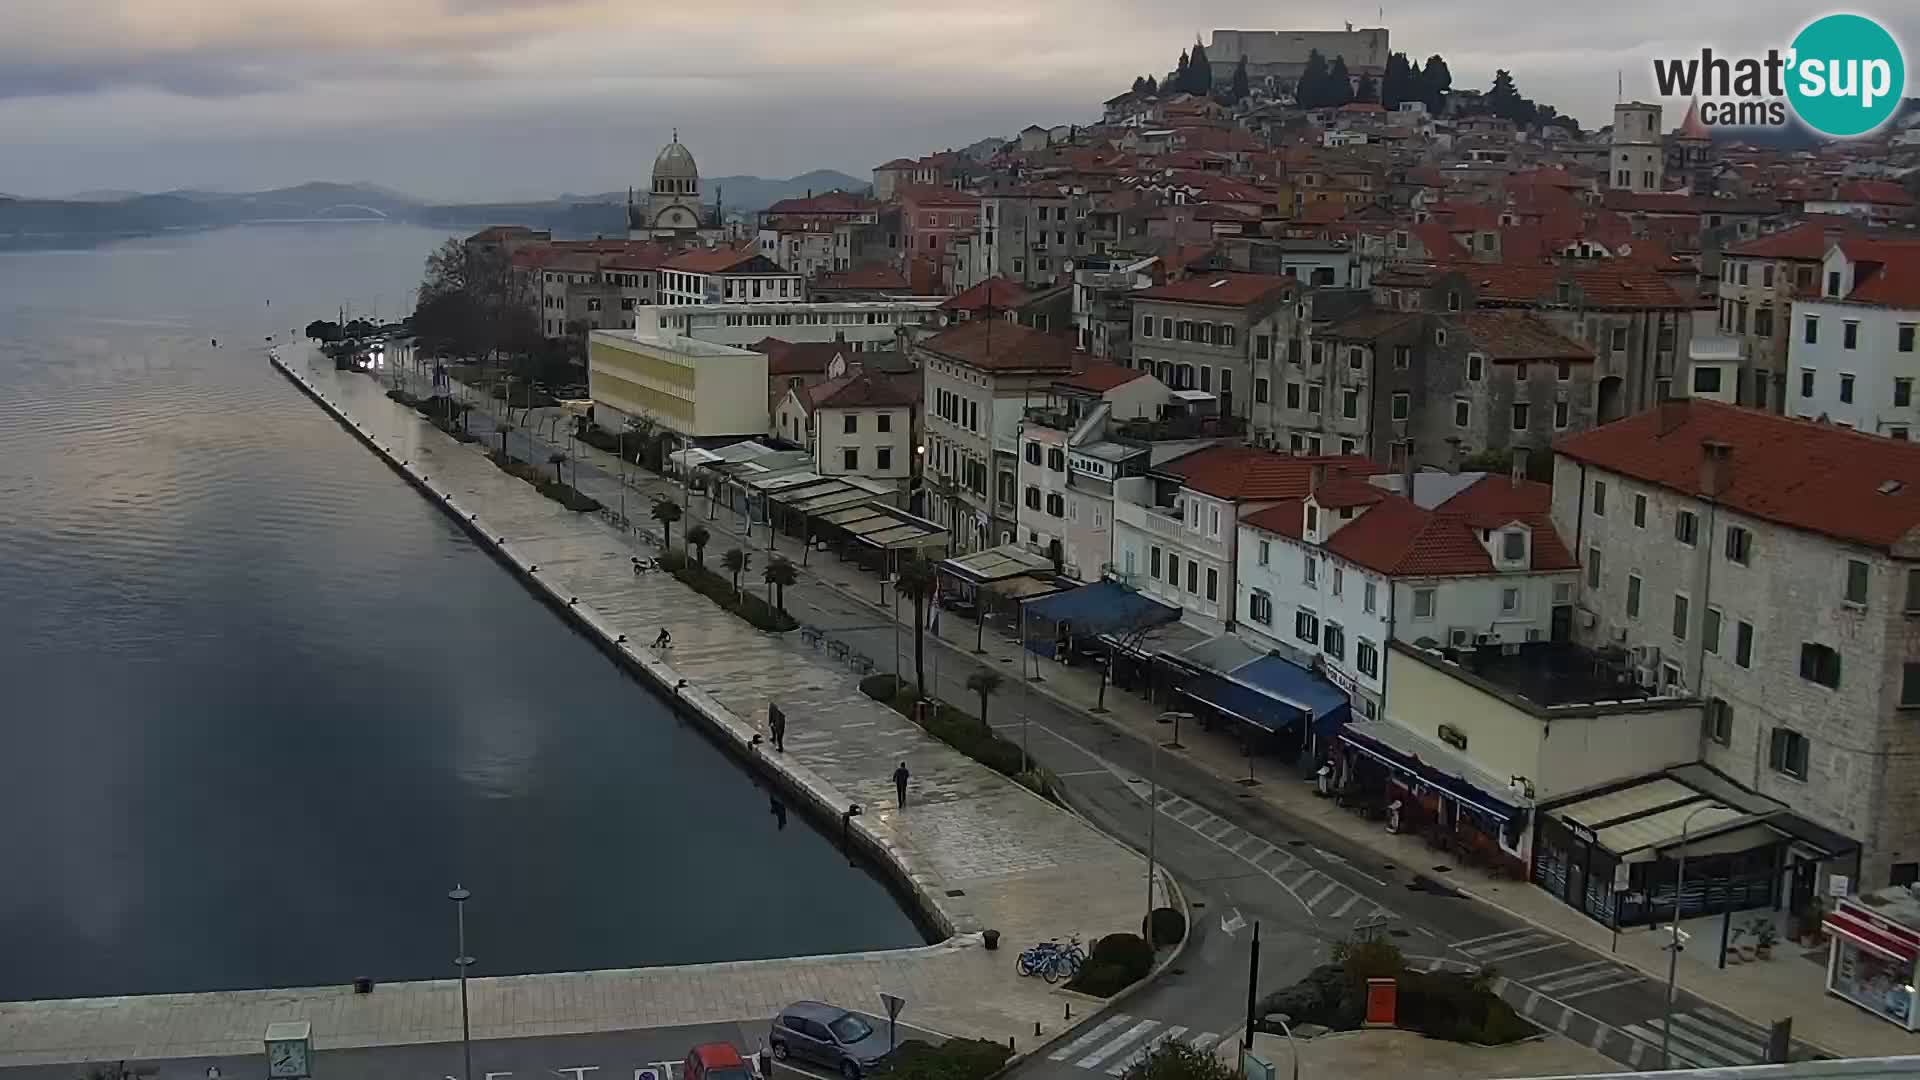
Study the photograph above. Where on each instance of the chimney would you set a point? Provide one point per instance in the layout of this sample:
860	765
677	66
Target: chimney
1316	476
1716	467
1673	414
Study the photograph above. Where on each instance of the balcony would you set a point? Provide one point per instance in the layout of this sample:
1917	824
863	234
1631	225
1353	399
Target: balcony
1181	427
1162	523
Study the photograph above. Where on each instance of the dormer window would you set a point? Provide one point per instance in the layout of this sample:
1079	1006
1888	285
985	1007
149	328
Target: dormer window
1313	521
1513	546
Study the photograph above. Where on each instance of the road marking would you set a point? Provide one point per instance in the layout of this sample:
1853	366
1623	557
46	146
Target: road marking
1119	1068
1506	956
1730	1041
1625	979
1083	1042
1083	772
1573	976
1322	895
1463	945
1127	1037
1236	848
1301	882
1684	1047
1343	908
1182	818
1204	1040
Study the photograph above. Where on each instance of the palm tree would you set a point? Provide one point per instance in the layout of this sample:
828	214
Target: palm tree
737	562
986	684
780	573
698	536
914	579
557	459
505	428
666	512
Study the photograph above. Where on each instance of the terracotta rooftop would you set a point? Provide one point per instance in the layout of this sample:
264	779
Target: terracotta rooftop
1002	345
1221	289
869	390
1886	273
1864	489
878	276
1512	336
996	293
827	202
1807	240
1243	472
710	261
797	357
1101	378
1617	287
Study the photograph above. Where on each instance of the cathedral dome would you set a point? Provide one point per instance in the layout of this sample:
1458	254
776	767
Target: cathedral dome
674	172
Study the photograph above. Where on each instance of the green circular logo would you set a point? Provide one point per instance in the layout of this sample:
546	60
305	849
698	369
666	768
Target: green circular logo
1847	75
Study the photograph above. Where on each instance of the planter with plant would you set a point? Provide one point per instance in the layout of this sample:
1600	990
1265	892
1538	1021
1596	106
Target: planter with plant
1765	935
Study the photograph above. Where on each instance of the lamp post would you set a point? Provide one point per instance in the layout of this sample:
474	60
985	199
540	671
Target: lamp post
1292	1045
1673	957
459	897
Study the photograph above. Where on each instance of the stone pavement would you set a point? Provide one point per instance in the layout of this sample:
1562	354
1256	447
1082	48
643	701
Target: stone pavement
1789	985
1407	1055
978	850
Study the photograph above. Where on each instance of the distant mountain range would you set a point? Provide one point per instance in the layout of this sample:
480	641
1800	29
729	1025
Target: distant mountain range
103	214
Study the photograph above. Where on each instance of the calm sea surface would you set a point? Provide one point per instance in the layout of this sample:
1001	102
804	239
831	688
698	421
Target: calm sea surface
261	706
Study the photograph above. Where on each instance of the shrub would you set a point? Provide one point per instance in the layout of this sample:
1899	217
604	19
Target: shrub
955	1059
1176	1060
1363	960
745	604
1117	960
1168	926
962	732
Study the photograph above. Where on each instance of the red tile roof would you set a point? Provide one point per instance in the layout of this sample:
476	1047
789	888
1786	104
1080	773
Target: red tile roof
1101	378
1886	274
797	357
709	261
868	390
1221	289
996	293
1513	336
877	276
1243	472
922	195
827	202
1001	345
1395	536
1613	286
1864	489
1807	240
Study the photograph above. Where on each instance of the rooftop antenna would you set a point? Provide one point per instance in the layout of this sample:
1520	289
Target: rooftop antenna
1619	85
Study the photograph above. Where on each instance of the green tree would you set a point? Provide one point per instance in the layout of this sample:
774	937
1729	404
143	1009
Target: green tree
1396	81
986	684
1153	86
645	431
557	459
915	580
1311	91
1502	98
737	562
1435	81
666	512
1339	82
780	573
1240	86
1139	86
1199	71
323	330
1176	1060
1178	84
699	537
1368	91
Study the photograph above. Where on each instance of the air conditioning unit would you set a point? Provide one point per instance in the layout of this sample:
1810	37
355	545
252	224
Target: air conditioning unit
1459	637
1486	639
1647	656
1646	676
1587	619
1619	635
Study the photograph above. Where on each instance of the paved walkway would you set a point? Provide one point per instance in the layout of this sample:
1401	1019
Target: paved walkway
1790	985
981	852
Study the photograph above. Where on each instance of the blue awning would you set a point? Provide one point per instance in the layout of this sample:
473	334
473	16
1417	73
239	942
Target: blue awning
1432	763
1104	607
1273	695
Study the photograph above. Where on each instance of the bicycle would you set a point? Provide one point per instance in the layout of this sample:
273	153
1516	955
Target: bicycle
1052	960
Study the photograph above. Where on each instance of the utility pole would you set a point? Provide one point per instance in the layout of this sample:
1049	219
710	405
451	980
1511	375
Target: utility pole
1253	990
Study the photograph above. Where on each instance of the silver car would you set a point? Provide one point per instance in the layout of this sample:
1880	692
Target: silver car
828	1035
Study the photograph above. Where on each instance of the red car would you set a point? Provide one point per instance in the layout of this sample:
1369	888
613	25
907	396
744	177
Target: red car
716	1061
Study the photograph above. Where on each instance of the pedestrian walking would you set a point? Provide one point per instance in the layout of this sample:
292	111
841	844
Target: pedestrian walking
663	639
777	725
900	778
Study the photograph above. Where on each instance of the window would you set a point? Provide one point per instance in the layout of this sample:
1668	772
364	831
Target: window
1306	627
884	422
1213	583
1366	657
1293	395
1787	753
1334	641
1509	601
1820	664
1313	400
1743	644
1902	392
850	457
1806	382
1350	403
1339	580
1706	380
1857	574
851	423
1260	608
1739	544
1913	591
1265	552
1368	597
1520	410
1593	568
1153	564
1475	366
1146	326
1462	412
1260	390
1311	572
1402	404
1032	497
1513	545
1263	346
883	458
1849	334
1599	498
1904	339
1719	721
1056	504
1633	596
1453	301
1173	569
1056	459
1166	328
1846	388
1403	356
1681	612
1813	330
1193	576
1423	603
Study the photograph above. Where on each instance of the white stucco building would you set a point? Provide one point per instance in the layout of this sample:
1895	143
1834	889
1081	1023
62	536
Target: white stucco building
1851	351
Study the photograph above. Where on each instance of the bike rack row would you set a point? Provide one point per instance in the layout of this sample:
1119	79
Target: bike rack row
839	650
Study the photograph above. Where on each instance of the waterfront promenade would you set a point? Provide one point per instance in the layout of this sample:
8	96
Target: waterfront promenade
974	850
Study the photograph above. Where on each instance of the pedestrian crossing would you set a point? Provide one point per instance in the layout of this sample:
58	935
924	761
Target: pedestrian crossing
1580	980
1705	1038
1509	946
1320	894
1120	1042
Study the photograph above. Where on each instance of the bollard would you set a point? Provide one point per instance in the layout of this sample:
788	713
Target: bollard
1010	1044
1036	1029
1068	1015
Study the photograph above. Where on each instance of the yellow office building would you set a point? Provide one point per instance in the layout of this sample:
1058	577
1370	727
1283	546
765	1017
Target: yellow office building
696	389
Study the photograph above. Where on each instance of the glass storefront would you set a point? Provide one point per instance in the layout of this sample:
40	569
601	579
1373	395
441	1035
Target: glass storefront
1873	981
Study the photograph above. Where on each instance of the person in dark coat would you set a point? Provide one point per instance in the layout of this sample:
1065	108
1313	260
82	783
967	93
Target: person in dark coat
900	778
777	726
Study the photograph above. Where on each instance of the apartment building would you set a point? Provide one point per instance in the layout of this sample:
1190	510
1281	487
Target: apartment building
1470	560
1757	285
856	423
581	286
1208	332
1765	565
697	390
932	218
1103	294
1852	357
860	325
1029	234
728	276
979	378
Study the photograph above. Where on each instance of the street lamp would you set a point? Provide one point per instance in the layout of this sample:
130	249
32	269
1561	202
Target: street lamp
459	897
1292	1045
1673	957
1153	813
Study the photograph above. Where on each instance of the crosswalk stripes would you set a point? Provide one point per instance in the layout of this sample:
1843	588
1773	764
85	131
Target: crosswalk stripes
1120	1042
1319	893
1510	945
1581	980
1705	1039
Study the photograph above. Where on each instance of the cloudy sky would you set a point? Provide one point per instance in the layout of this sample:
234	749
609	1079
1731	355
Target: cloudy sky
480	99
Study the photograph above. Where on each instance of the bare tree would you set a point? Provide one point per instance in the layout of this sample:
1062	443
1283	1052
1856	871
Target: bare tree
1142	625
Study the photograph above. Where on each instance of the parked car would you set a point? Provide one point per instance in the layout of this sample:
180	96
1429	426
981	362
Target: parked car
716	1061
828	1035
